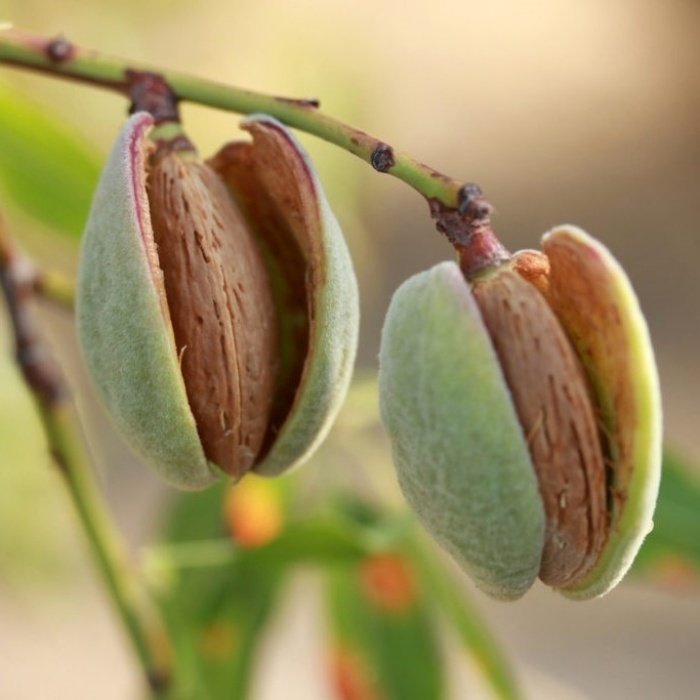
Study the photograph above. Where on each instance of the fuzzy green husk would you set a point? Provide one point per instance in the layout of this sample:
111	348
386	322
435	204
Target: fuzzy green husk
127	343
459	450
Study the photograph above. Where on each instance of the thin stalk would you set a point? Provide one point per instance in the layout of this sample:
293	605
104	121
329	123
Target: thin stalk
18	286
138	615
63	59
320	539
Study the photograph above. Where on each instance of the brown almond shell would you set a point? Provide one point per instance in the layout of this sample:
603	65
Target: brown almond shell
220	305
552	399
313	285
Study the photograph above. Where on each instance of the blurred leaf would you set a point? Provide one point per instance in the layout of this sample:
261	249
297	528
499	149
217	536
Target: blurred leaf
384	644
317	541
216	614
197	515
217	633
458	611
222	594
219	594
676	533
46	167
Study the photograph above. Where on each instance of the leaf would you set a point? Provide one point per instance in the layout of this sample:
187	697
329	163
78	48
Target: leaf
467	623
317	541
216	614
46	167
676	533
217	636
383	642
197	515
222	594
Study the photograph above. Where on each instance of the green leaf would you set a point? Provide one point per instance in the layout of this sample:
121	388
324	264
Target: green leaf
676	533
465	620
217	633
46	167
384	643
318	540
216	614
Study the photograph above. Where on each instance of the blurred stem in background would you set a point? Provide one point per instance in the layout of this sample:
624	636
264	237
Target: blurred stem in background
19	282
62	59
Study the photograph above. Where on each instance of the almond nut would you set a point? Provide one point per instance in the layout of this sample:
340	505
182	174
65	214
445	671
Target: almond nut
524	414
217	305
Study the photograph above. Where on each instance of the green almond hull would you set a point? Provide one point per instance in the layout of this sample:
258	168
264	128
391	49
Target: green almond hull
126	336
611	336
126	342
458	447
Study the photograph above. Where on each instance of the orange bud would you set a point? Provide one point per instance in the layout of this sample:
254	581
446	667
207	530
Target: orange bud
350	676
253	512
388	582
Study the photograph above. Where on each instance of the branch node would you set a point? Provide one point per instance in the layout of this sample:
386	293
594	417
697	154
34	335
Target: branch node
150	92
383	158
468	229
60	50
472	204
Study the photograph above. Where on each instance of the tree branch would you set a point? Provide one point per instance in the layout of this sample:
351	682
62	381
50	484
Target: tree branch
19	283
61	58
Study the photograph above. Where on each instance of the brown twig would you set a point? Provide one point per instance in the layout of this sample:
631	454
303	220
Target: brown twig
468	229
18	278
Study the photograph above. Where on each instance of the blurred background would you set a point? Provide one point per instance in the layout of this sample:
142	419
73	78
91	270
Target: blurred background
564	111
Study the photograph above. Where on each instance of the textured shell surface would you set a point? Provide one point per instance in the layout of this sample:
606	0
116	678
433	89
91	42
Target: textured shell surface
460	453
334	302
555	409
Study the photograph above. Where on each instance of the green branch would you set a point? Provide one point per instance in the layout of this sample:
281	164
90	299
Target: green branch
138	614
62	59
